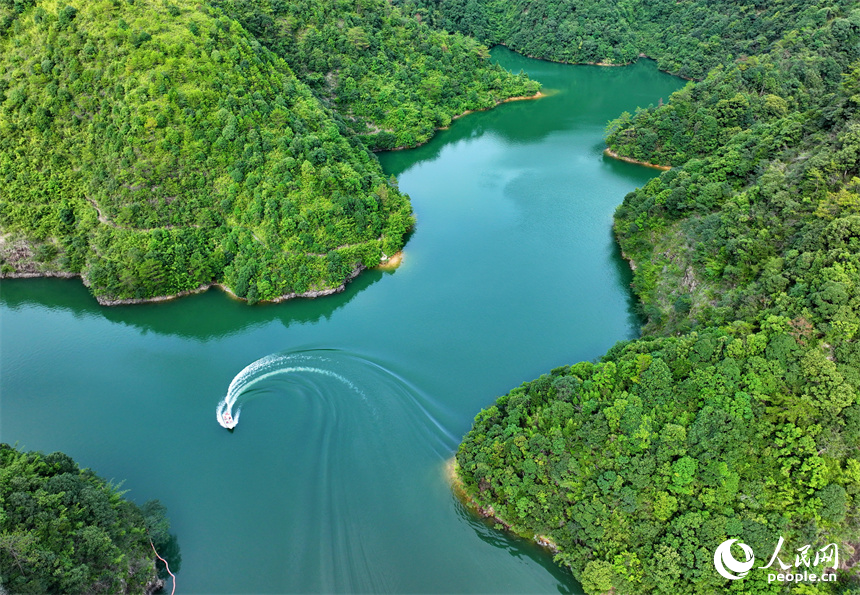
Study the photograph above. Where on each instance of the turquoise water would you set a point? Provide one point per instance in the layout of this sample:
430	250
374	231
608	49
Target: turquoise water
333	481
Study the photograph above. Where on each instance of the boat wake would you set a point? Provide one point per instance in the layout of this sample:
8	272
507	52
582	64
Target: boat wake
230	408
356	434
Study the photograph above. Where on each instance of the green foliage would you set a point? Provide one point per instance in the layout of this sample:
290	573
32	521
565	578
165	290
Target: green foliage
158	531
161	147
597	577
749	112
65	530
637	482
687	38
736	415
758	215
393	79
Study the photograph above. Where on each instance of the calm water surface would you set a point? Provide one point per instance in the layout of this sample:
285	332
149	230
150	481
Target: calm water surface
333	481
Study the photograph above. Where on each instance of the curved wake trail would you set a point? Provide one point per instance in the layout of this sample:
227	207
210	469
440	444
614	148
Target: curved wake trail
345	477
261	369
388	388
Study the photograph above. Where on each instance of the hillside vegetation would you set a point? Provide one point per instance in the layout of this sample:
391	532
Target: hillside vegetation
763	211
736	415
65	530
687	37
155	147
393	79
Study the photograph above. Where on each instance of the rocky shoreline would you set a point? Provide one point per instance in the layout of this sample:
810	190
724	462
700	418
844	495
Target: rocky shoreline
388	264
202	288
537	95
641	55
610	153
36	275
206	286
629	260
452	473
154	586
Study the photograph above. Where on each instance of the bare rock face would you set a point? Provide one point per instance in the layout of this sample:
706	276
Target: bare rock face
154	586
544	541
689	280
852	558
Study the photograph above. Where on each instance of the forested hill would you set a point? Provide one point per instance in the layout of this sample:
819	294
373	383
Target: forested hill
737	415
392	78
154	147
65	530
765	203
687	37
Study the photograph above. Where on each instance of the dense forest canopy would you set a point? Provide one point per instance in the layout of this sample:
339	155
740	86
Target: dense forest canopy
686	37
154	147
639	466
392	78
65	530
736	415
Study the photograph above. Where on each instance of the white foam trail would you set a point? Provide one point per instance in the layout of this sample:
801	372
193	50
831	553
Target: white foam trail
391	392
260	370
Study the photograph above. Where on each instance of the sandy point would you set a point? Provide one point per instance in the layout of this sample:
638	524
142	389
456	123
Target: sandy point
537	95
452	476
392	262
451	471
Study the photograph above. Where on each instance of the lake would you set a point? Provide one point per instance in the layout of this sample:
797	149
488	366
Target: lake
333	481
